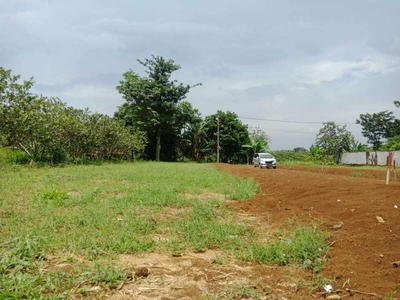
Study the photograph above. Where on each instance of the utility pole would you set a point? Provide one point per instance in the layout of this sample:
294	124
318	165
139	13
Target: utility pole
217	139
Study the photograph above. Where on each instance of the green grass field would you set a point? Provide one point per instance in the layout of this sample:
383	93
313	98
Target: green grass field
87	215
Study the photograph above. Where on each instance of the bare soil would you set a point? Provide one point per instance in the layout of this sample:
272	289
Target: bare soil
362	253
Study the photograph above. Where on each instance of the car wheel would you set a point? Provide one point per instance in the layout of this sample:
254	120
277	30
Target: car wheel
255	166
259	165
274	167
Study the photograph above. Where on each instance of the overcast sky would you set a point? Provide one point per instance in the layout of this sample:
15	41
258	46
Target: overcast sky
299	60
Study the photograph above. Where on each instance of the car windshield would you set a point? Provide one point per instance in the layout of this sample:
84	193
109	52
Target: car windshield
266	156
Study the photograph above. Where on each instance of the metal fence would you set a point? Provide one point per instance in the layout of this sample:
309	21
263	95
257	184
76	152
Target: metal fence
378	158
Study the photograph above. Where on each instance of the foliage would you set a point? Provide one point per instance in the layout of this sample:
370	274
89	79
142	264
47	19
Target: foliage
334	138
393	128
232	135
359	147
28	121
290	156
375	126
261	138
317	153
258	142
304	244
300	149
46	129
196	142
152	102
393	144
12	156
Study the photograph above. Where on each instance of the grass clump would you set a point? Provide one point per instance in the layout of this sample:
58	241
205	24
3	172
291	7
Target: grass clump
204	229
305	245
360	174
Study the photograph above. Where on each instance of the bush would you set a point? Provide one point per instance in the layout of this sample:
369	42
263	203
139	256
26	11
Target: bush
12	156
289	155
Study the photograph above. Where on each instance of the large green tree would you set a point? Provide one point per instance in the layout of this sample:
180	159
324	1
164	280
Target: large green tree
377	126
152	101
334	139
232	135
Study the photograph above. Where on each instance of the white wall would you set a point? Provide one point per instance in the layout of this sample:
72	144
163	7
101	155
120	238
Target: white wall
360	158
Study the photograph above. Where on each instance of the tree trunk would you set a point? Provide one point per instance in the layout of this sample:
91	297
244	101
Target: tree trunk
158	145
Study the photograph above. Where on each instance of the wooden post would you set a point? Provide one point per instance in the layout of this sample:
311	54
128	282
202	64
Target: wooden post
389	163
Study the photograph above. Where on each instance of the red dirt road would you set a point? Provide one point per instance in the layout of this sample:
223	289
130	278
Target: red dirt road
364	249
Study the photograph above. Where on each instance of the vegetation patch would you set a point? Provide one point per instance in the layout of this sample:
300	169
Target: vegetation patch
123	209
62	235
360	174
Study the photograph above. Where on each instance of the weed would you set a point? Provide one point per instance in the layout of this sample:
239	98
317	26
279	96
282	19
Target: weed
304	245
53	197
217	260
347	282
243	292
107	275
392	294
204	230
360	174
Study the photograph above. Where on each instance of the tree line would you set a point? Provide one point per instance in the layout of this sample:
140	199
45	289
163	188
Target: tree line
381	129
48	130
154	123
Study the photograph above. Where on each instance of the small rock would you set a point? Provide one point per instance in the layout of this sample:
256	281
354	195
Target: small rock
142	272
380	219
395	206
338	200
396	264
353	210
381	255
337	226
333	297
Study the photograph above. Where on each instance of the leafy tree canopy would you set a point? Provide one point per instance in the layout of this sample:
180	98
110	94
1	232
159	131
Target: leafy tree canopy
375	127
232	135
334	139
393	144
46	129
152	101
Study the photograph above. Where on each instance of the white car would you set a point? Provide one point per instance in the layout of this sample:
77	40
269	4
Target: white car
262	160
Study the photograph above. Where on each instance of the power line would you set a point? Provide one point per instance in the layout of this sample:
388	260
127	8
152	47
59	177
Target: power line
291	131
287	121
